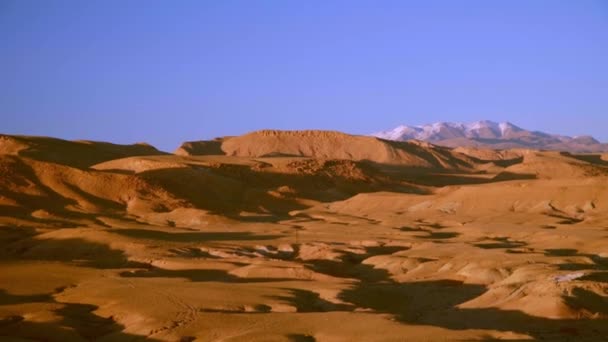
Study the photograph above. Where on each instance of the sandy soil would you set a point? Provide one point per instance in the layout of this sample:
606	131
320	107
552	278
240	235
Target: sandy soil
300	236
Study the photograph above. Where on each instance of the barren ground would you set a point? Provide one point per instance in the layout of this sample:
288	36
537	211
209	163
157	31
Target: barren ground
113	243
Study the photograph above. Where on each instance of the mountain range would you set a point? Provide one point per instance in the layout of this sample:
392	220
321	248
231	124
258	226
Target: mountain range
489	134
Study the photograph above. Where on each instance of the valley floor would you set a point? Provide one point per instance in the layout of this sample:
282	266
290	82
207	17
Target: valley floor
325	274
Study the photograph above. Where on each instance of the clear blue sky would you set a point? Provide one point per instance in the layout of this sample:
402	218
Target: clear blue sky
169	71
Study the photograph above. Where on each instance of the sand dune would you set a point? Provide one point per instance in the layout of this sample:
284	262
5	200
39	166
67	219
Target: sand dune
300	236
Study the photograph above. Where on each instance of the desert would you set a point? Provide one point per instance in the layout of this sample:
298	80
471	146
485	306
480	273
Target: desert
300	236
303	171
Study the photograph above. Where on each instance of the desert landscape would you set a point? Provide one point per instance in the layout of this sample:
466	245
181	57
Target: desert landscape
300	236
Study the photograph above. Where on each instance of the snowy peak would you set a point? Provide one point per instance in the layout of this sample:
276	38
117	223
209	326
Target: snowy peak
448	130
491	134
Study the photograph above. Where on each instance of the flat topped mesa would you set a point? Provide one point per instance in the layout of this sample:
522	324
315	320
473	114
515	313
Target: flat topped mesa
327	145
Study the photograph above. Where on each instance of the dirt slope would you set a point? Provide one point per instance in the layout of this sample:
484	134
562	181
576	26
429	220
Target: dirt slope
329	145
79	154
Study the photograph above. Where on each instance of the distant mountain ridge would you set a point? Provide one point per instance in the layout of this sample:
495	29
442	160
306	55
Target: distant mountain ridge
489	134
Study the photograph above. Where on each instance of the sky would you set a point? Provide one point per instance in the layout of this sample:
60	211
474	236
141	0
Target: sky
165	72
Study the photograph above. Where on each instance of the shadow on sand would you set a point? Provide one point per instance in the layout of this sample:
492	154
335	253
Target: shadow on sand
75	322
75	251
596	262
148	234
436	303
202	275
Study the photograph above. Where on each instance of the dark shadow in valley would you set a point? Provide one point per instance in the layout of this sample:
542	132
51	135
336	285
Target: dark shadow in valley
370	251
347	269
430	234
565	219
383	250
500	242
560	252
444	177
55	203
595	159
10	235
79	252
300	338
228	189
11	299
350	264
439	235
196	275
148	234
601	277
436	303
498	162
76	322
593	261
582	299
308	301
104	205
411	229
509	176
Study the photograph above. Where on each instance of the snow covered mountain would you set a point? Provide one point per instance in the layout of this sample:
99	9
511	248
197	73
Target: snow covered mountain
490	134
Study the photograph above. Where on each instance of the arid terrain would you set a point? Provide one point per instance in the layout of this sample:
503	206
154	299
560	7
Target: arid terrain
300	236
